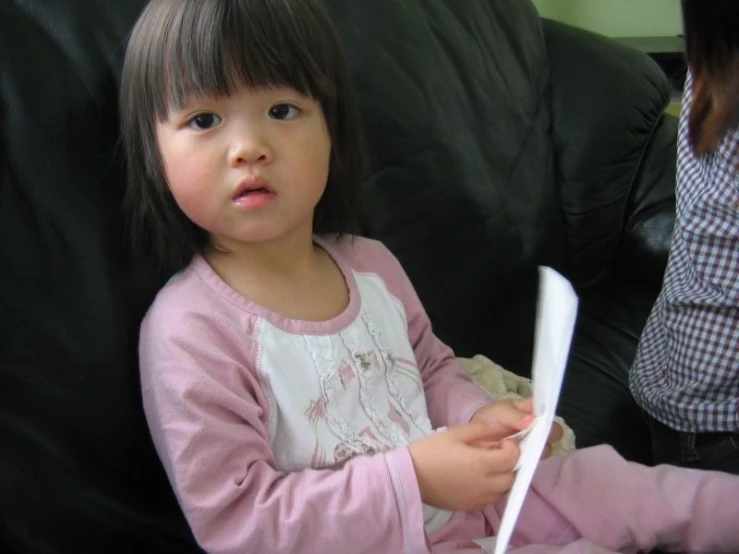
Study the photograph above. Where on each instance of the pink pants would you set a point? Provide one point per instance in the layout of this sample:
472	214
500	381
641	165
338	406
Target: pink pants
594	501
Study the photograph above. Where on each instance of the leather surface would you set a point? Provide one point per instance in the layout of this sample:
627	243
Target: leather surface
77	470
607	103
647	233
460	178
595	399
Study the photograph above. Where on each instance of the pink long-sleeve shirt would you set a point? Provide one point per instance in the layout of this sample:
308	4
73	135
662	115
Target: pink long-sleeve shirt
292	436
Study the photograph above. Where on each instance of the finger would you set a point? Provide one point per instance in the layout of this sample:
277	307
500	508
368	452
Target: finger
508	415
486	444
498	485
474	433
547	452
525	405
501	459
556	433
500	431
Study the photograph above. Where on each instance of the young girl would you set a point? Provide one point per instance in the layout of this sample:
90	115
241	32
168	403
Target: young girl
290	376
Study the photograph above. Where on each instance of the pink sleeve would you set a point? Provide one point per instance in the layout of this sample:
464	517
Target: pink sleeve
207	414
451	396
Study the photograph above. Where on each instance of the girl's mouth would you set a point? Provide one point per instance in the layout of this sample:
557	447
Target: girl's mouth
252	186
248	192
254	193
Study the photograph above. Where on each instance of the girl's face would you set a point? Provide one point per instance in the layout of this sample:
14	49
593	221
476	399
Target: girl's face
247	168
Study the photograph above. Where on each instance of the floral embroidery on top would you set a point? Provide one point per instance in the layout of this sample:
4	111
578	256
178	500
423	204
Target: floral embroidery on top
322	351
342	453
365	402
395	367
367	361
316	410
346	374
371	450
369	364
396	417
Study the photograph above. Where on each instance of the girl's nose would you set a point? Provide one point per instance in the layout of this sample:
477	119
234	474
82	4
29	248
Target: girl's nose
249	148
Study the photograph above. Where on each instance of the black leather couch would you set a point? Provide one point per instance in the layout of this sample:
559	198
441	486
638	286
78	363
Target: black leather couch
496	142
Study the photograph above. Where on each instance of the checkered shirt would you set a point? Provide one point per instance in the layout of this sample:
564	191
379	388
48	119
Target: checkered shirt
686	372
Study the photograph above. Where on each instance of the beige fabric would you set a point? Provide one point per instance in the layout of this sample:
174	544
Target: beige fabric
501	384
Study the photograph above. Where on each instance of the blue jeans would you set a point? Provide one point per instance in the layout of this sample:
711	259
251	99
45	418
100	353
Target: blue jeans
712	451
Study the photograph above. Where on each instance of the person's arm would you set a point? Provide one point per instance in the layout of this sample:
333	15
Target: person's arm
207	414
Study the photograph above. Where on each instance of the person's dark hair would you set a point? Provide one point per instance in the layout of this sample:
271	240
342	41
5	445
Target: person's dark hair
190	47
712	49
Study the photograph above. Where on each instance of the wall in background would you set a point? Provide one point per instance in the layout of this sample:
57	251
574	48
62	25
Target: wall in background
617	18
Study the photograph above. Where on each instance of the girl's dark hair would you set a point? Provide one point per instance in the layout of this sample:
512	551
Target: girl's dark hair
190	47
712	48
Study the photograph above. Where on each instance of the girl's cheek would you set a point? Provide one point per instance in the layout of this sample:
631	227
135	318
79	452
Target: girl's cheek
182	167
184	179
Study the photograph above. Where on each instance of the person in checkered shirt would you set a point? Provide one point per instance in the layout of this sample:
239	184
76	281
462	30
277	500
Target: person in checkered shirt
686	373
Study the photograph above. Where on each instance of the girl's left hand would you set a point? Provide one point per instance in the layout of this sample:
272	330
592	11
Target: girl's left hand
511	416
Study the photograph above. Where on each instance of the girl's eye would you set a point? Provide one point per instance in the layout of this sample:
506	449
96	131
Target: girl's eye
204	121
284	111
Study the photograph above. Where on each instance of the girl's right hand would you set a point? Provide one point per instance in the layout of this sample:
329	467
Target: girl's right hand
455	473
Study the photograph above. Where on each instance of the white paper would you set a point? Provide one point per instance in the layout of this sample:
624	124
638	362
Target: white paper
555	323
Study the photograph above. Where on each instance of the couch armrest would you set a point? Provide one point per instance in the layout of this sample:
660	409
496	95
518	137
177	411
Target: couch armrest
645	240
607	104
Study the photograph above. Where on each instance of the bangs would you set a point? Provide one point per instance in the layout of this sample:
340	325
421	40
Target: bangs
213	47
